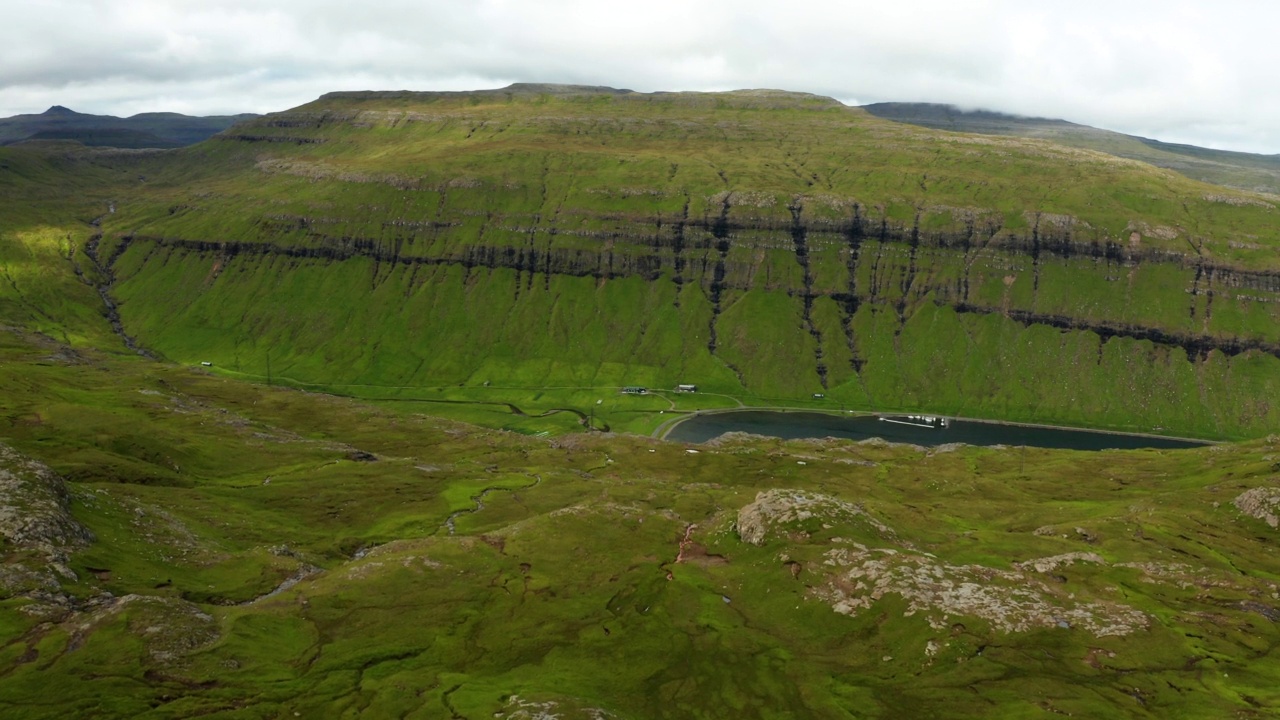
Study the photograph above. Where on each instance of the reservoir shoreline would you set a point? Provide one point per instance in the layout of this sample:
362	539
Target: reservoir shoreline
666	430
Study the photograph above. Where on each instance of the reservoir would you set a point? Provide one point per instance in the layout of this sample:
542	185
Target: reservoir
914	429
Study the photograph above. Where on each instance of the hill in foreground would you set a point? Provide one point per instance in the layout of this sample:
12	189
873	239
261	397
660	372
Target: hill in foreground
178	544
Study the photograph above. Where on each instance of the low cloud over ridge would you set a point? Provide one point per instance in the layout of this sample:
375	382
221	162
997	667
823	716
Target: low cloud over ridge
1179	71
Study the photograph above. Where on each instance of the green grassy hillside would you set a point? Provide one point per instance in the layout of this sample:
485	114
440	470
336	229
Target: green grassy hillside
179	545
761	244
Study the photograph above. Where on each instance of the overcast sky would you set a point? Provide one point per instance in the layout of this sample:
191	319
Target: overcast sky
1204	72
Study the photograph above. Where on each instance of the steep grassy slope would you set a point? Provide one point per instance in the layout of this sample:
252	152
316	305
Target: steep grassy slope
761	244
1247	171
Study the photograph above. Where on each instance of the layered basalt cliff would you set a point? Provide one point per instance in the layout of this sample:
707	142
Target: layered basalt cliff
892	265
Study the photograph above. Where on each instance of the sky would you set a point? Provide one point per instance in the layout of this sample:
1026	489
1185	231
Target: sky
1201	72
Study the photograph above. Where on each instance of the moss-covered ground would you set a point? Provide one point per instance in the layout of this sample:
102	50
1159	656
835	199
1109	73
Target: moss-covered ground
209	493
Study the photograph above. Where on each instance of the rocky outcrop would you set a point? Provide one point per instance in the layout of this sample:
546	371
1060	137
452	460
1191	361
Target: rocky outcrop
37	529
851	576
34	510
1049	564
1010	601
1260	503
169	628
38	534
522	708
779	508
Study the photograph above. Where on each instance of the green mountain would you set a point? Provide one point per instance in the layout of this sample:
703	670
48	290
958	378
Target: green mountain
764	245
222	541
145	130
1246	171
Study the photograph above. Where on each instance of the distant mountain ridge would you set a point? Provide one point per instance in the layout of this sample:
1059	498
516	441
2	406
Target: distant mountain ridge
1246	171
144	130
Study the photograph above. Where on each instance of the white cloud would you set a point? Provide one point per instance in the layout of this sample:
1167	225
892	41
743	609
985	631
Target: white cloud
1178	69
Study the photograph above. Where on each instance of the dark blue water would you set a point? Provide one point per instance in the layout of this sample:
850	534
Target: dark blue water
793	425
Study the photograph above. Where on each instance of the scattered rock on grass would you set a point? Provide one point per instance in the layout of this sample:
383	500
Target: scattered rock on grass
776	507
1049	564
1261	503
1010	601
